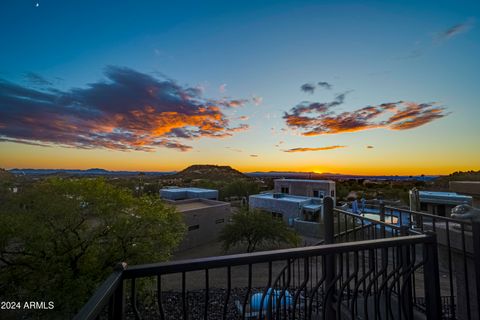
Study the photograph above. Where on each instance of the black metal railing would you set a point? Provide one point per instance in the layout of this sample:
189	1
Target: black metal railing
459	266
324	282
367	269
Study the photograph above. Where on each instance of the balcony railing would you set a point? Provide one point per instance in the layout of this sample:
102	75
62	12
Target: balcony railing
366	269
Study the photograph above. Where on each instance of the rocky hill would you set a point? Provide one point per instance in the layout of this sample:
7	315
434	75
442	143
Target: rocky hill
209	172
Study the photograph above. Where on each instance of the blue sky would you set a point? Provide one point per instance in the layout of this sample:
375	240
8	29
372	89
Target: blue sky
378	52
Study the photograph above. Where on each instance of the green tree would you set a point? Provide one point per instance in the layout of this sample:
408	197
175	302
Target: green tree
239	188
256	228
60	238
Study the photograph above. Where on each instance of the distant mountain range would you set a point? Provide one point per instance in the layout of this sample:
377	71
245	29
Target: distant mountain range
216	172
92	172
335	176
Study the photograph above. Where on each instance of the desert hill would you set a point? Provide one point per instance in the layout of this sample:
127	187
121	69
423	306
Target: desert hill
210	172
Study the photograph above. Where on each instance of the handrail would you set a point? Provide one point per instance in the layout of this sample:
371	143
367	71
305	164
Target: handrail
424	214
101	297
385	224
148	270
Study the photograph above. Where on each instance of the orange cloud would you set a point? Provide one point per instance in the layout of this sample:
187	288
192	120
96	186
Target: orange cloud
129	111
313	149
318	118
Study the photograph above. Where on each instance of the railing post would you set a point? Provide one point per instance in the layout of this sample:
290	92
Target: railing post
431	277
118	311
476	258
328	220
406	264
329	235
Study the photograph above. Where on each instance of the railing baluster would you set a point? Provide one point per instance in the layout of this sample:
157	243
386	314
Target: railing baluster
159	297
184	297
134	300
314	291
467	290
476	259
431	279
229	288
207	293
450	271
247	294
266	290
303	285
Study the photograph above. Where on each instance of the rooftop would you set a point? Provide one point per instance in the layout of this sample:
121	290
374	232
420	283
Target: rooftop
194	204
176	193
186	189
305	180
284	197
443	194
444	197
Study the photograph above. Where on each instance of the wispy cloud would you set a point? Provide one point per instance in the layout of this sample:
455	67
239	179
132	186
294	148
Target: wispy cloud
310	87
313	149
24	142
325	85
254	155
439	38
454	31
257	100
36	79
222	88
128	110
279	143
234	149
315	118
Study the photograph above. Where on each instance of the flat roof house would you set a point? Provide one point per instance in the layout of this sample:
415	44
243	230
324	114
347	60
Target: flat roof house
435	202
306	188
177	193
302	213
204	220
202	213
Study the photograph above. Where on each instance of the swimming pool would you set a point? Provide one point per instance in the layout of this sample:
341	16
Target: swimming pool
391	216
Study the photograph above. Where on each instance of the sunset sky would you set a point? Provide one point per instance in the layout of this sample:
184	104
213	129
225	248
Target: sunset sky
354	87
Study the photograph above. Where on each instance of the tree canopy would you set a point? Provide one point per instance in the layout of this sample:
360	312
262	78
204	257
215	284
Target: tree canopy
59	238
255	229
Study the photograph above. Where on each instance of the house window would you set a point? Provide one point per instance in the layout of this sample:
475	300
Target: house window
285	190
318	194
277	215
332	193
219	221
194	227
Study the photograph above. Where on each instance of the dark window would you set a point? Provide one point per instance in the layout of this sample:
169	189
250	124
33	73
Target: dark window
318	194
219	221
423	206
441	210
194	227
332	193
277	215
285	190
